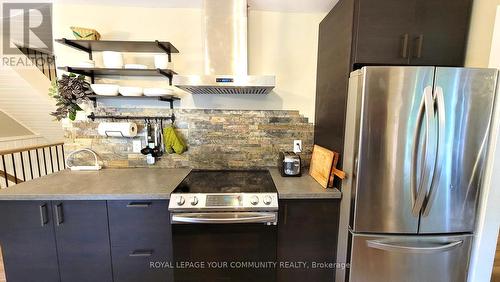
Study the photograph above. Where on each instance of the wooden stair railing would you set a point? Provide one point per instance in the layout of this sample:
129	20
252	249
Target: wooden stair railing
24	164
43	60
10	177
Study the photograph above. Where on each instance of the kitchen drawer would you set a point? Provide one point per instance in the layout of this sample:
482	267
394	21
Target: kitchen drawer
135	223
135	264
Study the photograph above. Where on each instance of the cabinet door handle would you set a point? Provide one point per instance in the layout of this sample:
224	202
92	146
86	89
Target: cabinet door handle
44	214
404	46
139	205
141	253
59	214
419	43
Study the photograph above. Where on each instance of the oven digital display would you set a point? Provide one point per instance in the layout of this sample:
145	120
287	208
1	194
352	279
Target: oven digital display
224	80
223	201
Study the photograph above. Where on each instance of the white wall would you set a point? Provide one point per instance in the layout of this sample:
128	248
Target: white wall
283	44
488	221
480	32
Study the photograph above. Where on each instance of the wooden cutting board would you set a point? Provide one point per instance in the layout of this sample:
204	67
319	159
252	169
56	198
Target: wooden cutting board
321	165
335	172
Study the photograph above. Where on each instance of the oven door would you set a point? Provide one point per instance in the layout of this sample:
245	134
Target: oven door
224	246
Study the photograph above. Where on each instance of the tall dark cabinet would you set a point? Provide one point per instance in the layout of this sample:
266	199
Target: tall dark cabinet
356	33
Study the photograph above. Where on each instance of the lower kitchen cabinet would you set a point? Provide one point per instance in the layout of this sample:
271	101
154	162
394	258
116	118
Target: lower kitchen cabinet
307	232
82	237
55	241
141	241
28	241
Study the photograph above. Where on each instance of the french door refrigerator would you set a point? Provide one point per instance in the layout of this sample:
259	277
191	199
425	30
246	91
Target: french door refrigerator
416	141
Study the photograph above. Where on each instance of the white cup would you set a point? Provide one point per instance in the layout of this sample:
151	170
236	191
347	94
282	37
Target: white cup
161	62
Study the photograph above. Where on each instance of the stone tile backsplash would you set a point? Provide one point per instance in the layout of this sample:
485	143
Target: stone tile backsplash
216	139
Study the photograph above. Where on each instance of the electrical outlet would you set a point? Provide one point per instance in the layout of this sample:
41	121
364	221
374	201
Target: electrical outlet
136	146
297	146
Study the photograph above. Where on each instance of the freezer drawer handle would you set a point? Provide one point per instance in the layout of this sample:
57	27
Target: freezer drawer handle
225	217
392	247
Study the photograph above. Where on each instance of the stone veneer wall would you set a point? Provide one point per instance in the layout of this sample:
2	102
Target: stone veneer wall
215	138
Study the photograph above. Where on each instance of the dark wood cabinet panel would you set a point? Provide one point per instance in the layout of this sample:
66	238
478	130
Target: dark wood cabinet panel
28	242
307	232
140	233
440	34
357	33
82	237
334	65
383	31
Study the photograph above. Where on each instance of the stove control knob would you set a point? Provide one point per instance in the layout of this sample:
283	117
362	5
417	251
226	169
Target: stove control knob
254	200
194	201
180	201
268	200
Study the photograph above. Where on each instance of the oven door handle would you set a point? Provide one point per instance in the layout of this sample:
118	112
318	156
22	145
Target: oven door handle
225	217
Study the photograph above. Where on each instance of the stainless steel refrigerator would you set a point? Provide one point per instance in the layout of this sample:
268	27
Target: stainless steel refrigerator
416	141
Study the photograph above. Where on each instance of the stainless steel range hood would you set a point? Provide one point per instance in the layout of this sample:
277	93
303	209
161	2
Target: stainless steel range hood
225	50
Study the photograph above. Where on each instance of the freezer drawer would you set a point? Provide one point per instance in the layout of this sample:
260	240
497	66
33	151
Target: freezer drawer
410	258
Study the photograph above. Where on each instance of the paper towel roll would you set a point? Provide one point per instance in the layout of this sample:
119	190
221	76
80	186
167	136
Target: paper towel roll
117	129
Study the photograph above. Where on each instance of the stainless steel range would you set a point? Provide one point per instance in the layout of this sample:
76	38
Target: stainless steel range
224	217
222	196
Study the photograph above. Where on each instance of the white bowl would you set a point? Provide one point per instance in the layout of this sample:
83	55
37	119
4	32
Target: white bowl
112	59
130	91
135	66
87	64
105	89
157	91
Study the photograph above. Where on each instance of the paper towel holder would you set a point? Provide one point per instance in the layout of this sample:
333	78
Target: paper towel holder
110	131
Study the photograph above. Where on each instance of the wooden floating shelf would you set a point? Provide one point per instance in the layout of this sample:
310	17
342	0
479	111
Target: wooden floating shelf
166	98
120	46
124	72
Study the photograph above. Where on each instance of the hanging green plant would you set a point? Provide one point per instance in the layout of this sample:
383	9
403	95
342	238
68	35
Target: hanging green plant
69	91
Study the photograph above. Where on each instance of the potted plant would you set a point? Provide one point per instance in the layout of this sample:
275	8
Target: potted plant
69	91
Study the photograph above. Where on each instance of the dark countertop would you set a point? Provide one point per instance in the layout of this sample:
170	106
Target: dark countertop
141	184
303	187
106	184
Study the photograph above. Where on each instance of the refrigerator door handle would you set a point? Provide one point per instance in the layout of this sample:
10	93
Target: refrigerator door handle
432	248
441	116
427	171
416	135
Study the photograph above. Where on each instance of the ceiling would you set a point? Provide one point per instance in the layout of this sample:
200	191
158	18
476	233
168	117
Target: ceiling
305	6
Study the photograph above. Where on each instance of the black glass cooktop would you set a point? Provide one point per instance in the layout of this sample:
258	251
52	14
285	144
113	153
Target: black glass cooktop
227	181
